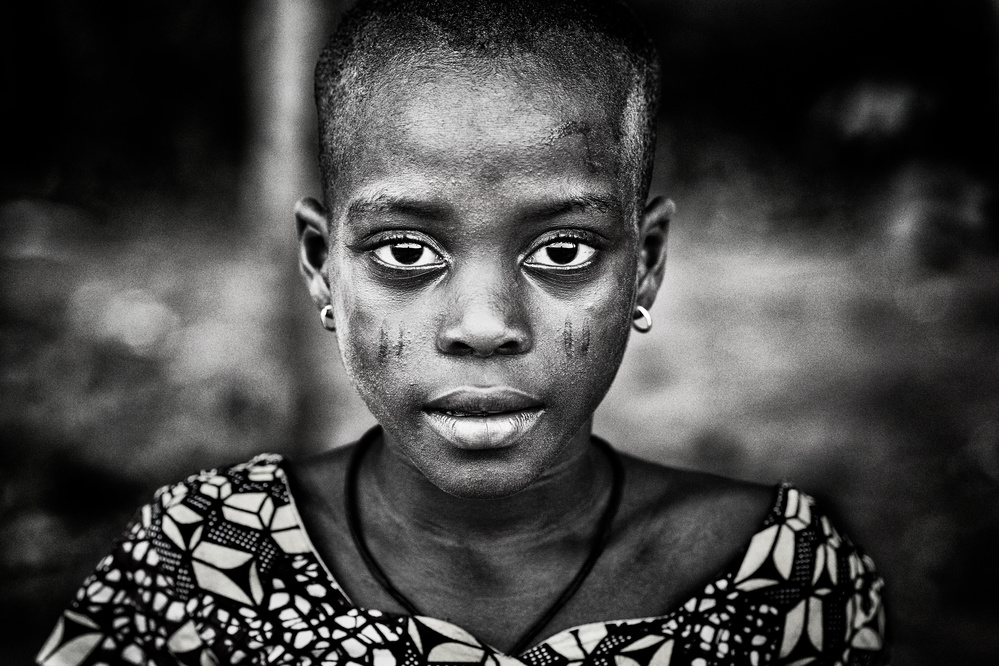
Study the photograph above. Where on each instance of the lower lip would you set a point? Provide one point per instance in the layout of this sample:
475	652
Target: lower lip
479	433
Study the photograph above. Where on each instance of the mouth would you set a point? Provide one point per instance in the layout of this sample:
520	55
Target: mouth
464	414
474	418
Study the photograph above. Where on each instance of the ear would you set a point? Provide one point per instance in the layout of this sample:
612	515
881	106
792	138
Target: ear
313	248
653	228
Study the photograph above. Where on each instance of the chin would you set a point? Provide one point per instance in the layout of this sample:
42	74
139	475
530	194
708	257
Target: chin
484	479
487	489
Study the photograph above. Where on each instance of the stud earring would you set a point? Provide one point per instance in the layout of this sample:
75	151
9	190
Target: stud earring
326	316
641	320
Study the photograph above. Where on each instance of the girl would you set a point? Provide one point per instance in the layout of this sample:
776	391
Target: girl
482	252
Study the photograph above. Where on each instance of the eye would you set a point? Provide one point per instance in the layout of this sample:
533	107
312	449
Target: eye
565	253
407	254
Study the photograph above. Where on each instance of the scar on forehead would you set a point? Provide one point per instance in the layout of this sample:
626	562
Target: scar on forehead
567	129
572	128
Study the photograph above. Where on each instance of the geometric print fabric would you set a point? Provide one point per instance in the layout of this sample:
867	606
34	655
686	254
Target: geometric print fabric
219	570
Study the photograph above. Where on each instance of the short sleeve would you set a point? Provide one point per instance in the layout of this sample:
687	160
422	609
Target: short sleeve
836	613
127	611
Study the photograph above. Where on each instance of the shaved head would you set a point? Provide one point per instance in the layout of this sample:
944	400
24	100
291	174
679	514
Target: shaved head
587	46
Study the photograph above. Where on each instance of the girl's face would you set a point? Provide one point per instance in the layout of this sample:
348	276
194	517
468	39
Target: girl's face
482	260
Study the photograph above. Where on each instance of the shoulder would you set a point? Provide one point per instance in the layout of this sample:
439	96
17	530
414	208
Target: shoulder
328	468
223	520
261	470
771	553
677	529
180	548
251	497
696	504
236	486
823	589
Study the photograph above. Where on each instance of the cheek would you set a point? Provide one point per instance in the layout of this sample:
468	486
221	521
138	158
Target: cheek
592	343
377	345
377	355
589	345
576	339
393	340
595	329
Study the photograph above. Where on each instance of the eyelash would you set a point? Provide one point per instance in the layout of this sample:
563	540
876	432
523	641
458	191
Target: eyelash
389	240
578	238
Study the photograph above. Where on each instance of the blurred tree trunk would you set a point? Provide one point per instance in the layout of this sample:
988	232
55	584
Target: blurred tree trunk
284	38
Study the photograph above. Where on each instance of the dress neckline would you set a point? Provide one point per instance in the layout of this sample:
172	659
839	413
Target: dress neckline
729	569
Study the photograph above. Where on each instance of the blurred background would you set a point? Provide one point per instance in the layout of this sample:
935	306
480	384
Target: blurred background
829	316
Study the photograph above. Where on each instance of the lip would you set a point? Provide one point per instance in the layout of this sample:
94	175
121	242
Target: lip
477	418
477	399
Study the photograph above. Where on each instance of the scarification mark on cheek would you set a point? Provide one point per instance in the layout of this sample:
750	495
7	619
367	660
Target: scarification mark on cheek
400	343
584	342
567	338
383	345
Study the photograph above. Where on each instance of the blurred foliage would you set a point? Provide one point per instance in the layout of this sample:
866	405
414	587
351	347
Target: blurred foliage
829	315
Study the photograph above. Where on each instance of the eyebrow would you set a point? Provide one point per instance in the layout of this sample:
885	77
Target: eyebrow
432	210
386	203
601	203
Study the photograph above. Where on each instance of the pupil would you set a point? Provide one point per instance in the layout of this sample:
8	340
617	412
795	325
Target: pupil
407	253
563	253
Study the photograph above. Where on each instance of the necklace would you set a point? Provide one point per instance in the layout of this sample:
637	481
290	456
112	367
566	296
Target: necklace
597	545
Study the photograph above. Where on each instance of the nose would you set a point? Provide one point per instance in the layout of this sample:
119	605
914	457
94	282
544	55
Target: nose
486	315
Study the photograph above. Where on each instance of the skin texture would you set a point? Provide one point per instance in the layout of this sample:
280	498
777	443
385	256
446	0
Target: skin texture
484	173
481	177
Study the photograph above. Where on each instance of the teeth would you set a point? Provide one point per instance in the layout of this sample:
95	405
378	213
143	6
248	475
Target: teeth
452	413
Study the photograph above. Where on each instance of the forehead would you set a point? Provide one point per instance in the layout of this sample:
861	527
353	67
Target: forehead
517	126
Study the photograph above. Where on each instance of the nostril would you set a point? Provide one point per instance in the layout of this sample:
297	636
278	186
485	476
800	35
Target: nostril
459	348
484	326
509	347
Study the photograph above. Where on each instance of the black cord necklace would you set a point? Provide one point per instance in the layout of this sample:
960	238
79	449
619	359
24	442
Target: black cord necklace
600	539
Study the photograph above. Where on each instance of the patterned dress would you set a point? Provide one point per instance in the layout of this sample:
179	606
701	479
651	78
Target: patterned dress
219	570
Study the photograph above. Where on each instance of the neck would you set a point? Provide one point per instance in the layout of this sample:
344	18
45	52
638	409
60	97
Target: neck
567	497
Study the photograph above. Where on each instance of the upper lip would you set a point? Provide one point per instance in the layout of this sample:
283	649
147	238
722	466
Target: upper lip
484	400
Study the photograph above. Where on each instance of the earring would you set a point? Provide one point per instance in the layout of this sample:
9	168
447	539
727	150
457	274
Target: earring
641	320
326	316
